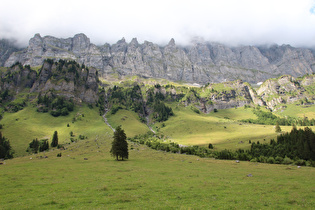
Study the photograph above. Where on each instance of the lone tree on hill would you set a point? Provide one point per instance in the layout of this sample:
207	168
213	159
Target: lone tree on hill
54	141
278	129
119	145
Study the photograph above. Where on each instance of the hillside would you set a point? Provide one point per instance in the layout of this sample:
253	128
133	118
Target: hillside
71	99
199	62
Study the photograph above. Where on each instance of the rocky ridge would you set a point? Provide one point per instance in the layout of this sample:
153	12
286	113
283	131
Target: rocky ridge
286	90
79	83
67	79
200	62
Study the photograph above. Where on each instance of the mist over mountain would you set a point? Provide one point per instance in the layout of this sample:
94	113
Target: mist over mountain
199	62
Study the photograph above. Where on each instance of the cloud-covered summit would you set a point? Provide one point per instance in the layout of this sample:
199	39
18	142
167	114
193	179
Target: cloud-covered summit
231	22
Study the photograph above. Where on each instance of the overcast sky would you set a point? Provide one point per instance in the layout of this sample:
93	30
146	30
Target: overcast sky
247	22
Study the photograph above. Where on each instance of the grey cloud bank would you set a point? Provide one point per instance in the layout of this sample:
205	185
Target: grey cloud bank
230	22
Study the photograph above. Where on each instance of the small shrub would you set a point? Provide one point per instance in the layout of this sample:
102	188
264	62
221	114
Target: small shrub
59	146
271	160
262	159
278	160
195	109
287	161
300	162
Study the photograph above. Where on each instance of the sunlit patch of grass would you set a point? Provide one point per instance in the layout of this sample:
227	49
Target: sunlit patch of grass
296	110
189	128
129	121
27	124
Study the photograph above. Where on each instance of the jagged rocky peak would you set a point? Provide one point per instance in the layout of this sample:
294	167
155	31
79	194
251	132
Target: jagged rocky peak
171	42
199	62
120	46
134	42
80	43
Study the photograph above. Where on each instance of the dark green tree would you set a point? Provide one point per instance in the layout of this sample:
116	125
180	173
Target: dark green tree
119	145
33	146
54	141
278	129
43	145
6	151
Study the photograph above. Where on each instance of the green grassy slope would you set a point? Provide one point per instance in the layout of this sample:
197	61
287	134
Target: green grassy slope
25	125
129	121
189	128
297	110
87	177
149	179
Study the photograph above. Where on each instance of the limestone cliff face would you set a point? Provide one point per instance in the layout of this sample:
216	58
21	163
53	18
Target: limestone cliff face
67	79
229	95
7	47
286	89
213	96
17	79
200	62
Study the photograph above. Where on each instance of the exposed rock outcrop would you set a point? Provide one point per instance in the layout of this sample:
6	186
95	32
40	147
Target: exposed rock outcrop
67	79
7	47
200	62
286	89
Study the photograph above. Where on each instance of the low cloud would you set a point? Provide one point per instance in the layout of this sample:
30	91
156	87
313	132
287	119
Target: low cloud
231	22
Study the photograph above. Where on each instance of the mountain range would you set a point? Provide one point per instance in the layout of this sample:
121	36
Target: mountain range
199	62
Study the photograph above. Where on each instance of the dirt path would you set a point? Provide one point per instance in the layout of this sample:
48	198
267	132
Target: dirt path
147	118
106	121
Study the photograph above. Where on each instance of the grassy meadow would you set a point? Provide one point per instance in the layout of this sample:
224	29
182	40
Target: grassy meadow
25	125
87	177
297	110
129	121
218	128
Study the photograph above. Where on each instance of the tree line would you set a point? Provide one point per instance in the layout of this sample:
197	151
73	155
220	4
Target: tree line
54	104
296	147
36	145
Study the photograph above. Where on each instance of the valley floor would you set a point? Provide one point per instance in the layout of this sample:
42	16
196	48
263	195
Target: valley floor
87	177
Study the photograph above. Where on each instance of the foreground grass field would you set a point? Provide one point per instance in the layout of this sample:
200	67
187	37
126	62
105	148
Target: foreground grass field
86	177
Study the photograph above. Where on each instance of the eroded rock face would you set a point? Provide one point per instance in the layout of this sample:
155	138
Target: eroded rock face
69	80
201	62
285	89
7	47
17	79
66	79
234	94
